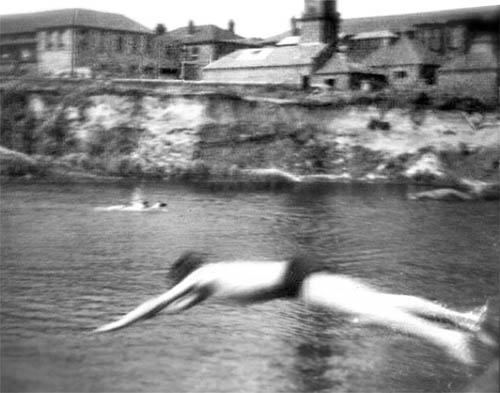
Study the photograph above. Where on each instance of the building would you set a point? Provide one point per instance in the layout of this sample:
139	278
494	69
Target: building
74	41
200	45
451	50
339	73
404	63
293	60
292	64
475	73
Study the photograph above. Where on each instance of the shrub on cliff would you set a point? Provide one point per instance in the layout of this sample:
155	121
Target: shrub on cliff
13	112
120	140
56	138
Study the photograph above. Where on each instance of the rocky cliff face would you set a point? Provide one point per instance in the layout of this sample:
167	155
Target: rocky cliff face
204	136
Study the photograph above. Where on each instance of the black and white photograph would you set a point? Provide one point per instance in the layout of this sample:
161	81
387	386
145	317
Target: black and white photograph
221	196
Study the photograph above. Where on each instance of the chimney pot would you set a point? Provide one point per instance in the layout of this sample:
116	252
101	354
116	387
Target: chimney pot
230	26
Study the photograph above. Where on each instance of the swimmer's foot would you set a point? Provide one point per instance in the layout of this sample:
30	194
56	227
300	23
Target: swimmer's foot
460	347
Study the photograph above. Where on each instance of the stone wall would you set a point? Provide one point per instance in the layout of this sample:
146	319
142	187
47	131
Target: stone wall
286	75
482	85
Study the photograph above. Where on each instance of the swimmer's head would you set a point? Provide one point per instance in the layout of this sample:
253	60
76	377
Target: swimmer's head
145	203
185	265
162	204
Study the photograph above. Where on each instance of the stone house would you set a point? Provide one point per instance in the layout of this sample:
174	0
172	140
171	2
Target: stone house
339	73
73	41
406	63
475	74
430	50
201	45
453	51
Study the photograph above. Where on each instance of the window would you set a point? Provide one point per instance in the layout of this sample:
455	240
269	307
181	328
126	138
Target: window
101	42
48	40
149	46
194	53
436	40
330	82
25	54
60	39
84	39
456	37
119	44
135	44
428	74
400	74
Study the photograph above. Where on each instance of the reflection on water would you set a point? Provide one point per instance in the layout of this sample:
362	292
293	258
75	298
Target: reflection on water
66	269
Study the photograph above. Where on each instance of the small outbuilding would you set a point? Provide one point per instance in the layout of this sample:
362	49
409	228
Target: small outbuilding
406	63
341	74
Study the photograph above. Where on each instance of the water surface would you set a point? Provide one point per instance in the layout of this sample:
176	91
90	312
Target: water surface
66	269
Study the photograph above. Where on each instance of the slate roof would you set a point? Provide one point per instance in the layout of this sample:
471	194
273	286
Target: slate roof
340	64
374	35
31	22
404	22
204	34
269	57
401	23
472	62
403	52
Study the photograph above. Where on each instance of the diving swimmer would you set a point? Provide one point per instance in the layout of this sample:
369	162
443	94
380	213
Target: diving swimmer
256	281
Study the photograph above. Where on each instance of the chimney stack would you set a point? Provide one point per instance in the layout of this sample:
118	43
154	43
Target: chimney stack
230	26
191	27
295	30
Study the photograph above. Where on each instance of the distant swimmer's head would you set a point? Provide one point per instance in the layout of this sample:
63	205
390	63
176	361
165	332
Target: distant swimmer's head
185	265
145	203
162	204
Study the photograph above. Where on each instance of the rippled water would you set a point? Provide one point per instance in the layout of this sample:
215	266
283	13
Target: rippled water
66	269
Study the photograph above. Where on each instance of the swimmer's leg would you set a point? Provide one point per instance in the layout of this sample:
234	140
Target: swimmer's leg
455	342
427	309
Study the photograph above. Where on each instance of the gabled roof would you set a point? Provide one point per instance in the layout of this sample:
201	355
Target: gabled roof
278	37
403	52
401	23
202	34
31	22
485	60
340	64
269	57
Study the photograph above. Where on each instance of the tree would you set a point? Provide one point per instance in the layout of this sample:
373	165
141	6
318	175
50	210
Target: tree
160	29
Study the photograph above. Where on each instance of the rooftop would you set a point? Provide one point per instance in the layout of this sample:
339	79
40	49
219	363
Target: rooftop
403	52
401	23
340	64
203	34
31	22
269	57
374	35
405	22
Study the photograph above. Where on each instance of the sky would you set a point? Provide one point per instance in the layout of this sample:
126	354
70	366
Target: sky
253	18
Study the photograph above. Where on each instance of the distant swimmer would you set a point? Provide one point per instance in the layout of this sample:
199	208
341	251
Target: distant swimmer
256	281
137	206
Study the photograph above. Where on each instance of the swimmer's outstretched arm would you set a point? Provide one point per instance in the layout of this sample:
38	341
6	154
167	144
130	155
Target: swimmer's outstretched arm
181	297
